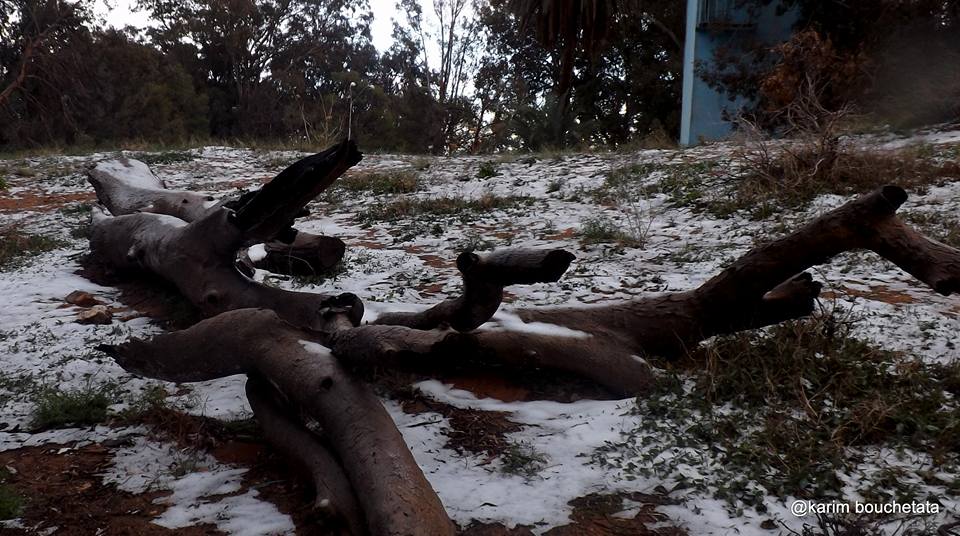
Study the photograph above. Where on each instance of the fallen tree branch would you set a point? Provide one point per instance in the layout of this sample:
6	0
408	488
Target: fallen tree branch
274	334
127	186
484	278
335	500
395	497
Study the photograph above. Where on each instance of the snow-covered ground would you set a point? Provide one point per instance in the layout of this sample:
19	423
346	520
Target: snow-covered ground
403	263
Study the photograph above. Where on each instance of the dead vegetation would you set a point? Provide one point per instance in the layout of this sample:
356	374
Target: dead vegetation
408	207
815	393
17	246
817	157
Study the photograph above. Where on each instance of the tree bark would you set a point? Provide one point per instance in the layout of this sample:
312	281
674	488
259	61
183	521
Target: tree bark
339	509
127	186
394	495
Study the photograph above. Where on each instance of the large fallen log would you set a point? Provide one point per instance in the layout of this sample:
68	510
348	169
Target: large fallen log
295	341
390	488
128	186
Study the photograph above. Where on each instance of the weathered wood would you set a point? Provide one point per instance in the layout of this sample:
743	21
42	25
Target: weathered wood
274	207
127	186
394	495
307	255
335	500
199	259
484	278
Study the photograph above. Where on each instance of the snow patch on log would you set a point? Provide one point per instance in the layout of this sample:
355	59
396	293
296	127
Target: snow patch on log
506	321
170	221
257	252
314	348
131	172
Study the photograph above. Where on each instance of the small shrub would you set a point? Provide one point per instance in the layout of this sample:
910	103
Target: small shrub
473	241
604	231
487	170
17	246
521	459
381	183
57	409
792	177
11	504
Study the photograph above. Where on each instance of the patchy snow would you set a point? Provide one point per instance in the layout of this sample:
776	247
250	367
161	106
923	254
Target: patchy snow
202	490
407	265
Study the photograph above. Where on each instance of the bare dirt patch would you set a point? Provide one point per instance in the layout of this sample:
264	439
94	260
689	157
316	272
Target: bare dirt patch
878	293
65	493
42	202
473	431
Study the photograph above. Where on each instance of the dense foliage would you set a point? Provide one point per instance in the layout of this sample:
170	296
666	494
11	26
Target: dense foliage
461	75
892	59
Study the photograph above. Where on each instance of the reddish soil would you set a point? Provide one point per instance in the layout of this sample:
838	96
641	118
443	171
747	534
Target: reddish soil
473	431
66	491
42	202
876	293
565	234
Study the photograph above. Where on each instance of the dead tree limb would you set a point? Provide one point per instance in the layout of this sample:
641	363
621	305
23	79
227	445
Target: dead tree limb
395	497
127	186
339	509
484	278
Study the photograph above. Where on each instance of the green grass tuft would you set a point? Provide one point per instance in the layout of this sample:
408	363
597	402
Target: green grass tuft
601	230
487	170
11	503
438	206
522	459
779	410
377	183
16	247
59	409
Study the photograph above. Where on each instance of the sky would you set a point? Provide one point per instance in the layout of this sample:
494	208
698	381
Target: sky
121	13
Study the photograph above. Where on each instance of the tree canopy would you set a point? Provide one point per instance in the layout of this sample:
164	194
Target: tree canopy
461	75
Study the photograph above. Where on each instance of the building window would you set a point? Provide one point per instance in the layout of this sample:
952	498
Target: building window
723	15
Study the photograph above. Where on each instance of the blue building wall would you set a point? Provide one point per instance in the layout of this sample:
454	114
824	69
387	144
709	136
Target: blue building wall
712	24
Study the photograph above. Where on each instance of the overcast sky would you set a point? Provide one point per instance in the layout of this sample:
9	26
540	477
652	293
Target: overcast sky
120	13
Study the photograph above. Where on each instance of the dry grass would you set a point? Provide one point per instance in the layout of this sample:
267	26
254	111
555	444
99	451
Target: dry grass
792	176
782	408
438	206
16	247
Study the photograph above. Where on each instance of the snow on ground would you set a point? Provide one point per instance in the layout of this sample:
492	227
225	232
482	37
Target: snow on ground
404	264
